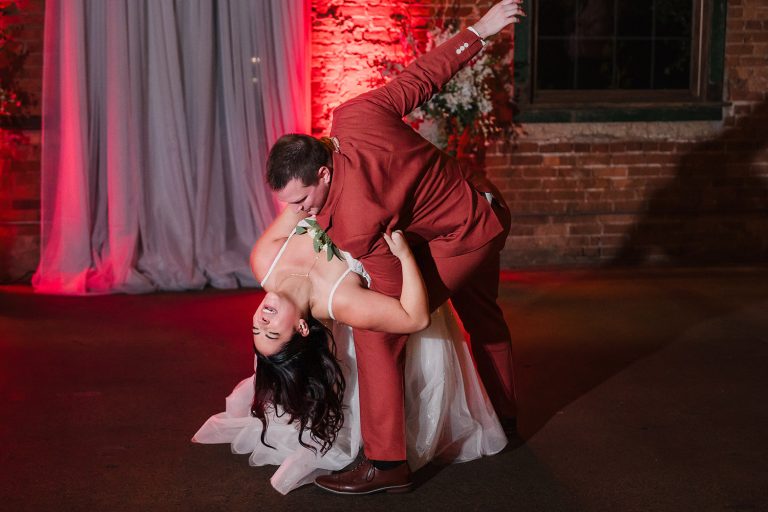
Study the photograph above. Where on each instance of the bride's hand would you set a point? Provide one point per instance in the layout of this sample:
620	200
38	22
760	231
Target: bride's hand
398	245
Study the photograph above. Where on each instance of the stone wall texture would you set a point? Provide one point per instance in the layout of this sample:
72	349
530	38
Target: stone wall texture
581	194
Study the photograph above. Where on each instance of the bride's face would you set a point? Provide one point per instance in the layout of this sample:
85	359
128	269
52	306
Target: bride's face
276	320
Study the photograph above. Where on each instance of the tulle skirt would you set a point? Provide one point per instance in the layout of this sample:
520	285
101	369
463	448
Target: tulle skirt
448	414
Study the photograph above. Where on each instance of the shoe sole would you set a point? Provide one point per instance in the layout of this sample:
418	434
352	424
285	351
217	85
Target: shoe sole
394	489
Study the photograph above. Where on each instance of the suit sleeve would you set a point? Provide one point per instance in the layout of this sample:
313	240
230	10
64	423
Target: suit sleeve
425	76
384	269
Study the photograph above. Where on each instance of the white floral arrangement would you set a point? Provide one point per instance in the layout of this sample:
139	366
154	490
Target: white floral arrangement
476	107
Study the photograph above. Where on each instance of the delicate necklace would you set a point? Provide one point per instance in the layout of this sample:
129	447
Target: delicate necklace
292	274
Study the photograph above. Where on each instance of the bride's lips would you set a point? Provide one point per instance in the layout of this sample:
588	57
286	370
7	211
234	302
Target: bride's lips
270	307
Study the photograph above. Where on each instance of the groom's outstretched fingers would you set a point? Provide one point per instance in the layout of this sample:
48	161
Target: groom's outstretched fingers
499	16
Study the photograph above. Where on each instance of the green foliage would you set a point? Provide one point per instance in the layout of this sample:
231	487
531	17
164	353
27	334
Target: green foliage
320	239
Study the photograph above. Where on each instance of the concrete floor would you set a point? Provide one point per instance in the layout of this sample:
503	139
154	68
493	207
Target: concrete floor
639	391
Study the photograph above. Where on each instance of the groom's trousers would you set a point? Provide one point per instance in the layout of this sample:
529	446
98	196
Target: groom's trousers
471	281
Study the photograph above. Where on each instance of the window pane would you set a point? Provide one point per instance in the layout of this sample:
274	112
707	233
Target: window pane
557	17
555	64
635	18
595	18
673	18
673	64
633	63
594	64
614	44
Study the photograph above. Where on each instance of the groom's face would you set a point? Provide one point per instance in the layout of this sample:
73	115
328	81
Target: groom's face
307	198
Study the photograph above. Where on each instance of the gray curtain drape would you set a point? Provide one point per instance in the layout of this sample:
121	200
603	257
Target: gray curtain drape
157	119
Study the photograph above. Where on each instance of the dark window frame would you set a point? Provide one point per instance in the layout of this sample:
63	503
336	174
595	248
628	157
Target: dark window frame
704	101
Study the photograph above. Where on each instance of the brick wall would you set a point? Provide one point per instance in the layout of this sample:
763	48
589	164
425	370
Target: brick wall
581	194
20	180
590	194
681	193
347	37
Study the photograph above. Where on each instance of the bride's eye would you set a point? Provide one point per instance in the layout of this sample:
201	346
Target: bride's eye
269	335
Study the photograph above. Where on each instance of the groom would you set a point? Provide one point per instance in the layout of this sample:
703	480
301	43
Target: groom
375	174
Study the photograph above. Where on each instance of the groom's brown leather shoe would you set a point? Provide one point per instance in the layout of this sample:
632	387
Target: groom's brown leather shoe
366	479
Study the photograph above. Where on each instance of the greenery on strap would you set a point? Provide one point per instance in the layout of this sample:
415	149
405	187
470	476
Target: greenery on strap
320	239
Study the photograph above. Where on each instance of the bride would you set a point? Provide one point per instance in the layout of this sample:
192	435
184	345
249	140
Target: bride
300	408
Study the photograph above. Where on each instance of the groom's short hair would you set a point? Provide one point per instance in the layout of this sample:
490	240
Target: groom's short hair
295	156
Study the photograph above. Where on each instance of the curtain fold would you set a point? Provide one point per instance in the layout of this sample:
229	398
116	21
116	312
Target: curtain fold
157	119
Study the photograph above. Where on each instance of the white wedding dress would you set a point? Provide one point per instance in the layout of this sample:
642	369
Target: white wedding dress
448	414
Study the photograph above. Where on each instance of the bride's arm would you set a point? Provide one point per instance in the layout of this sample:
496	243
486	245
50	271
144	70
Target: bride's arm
266	247
366	309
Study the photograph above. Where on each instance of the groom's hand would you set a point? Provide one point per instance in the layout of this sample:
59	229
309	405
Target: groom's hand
498	17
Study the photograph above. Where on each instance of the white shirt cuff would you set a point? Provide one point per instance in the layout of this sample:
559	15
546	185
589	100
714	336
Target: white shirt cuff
472	29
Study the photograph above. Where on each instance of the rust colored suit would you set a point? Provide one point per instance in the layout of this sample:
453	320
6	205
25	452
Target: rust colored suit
387	177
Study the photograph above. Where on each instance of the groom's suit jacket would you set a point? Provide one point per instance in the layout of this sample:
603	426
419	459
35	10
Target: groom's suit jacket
387	177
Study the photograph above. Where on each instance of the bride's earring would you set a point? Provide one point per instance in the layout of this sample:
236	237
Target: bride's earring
303	327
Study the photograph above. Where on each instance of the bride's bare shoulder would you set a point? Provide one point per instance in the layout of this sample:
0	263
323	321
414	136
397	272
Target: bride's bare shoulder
269	243
263	254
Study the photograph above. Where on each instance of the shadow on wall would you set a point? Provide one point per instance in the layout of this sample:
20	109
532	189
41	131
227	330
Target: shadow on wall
715	211
581	331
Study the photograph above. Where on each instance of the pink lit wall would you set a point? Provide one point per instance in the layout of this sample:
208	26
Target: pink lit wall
564	189
20	179
347	37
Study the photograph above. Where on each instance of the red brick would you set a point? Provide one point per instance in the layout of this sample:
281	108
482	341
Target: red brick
582	147
628	158
565	195
609	240
612	229
618	147
577	241
526	159
526	147
556	147
594	159
602	147
540	172
629	206
589	229
531	195
616	172
520	230
572	184
522	183
554	160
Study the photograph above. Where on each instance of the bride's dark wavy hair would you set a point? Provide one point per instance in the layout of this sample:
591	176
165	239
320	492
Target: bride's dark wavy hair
304	381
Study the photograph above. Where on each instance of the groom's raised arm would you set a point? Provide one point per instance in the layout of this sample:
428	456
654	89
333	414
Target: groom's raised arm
424	77
429	73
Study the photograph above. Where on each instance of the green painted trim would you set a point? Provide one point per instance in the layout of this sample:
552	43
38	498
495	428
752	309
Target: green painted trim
522	55
717	50
532	113
618	114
